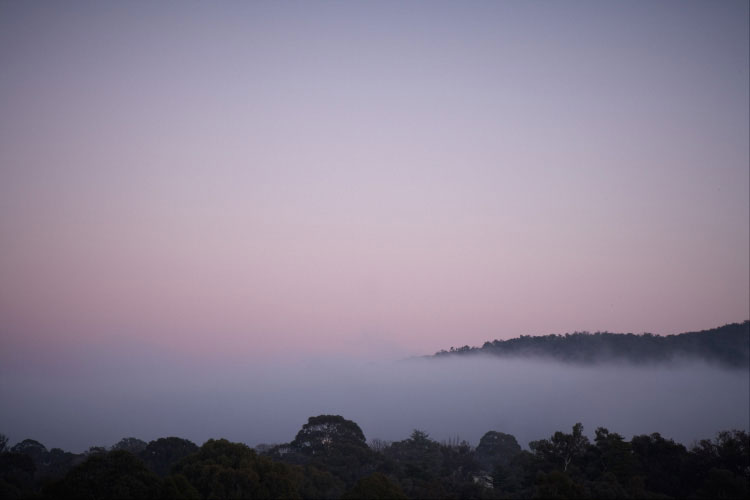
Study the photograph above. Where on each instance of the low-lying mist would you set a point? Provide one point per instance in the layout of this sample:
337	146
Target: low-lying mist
103	400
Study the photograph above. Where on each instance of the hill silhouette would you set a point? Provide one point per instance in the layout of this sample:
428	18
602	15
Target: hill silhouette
727	345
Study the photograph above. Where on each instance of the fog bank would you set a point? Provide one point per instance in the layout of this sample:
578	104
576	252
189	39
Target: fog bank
102	400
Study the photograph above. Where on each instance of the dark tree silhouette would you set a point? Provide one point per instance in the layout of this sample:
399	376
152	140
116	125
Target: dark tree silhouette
327	434
117	474
221	469
373	487
163	453
330	459
561	449
728	345
496	448
131	444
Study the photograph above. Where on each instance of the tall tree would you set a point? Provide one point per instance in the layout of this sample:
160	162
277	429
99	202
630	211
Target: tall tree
163	453
221	469
561	449
336	444
131	444
496	448
326	434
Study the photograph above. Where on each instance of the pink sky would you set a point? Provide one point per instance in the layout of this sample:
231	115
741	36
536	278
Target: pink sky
387	178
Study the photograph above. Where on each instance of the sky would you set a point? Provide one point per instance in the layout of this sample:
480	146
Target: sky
262	180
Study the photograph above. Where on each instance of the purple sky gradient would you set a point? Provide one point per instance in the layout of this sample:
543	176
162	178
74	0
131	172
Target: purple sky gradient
380	178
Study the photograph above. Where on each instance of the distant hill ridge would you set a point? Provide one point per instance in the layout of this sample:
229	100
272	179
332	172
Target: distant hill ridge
727	345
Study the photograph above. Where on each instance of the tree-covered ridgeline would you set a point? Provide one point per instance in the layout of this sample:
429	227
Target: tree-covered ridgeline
727	345
330	458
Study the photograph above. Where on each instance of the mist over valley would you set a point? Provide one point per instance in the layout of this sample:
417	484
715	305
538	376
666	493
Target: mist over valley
149	395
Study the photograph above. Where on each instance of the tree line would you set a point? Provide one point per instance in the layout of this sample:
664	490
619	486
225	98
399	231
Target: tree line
330	458
728	345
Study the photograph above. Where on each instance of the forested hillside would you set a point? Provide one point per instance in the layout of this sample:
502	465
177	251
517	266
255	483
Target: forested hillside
728	345
330	458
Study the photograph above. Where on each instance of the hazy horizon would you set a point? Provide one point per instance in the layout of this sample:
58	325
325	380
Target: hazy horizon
105	400
233	184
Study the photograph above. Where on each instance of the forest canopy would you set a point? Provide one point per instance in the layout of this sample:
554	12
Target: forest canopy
727	345
330	458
